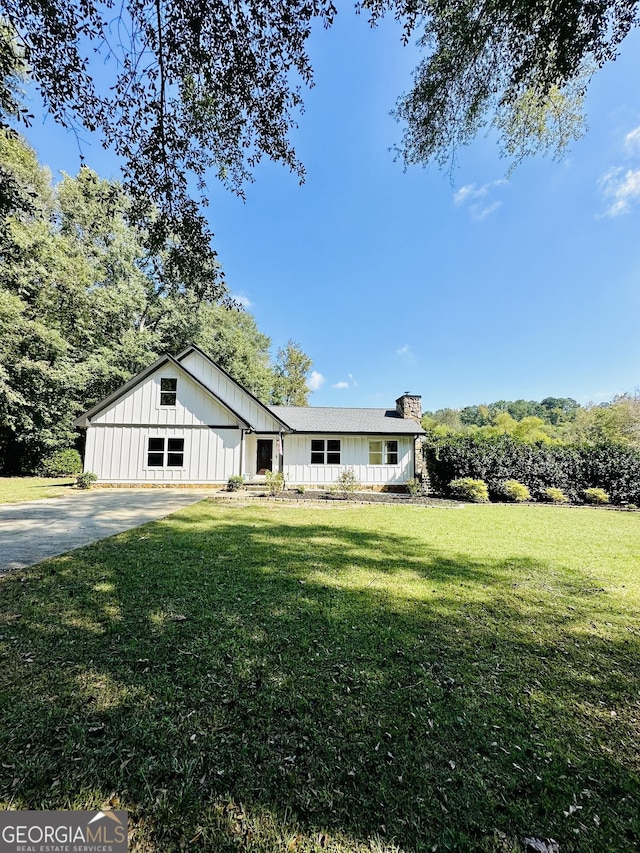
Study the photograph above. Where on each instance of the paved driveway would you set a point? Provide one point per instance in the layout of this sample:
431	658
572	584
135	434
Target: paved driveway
31	532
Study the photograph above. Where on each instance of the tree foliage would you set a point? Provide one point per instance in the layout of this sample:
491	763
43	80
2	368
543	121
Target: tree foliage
291	373
85	304
188	90
521	64
183	89
540	467
559	420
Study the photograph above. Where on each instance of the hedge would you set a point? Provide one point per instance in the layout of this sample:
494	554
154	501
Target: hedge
611	467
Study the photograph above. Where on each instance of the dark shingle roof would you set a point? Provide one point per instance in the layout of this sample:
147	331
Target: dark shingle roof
319	419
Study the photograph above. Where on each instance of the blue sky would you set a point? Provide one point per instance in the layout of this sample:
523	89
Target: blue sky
487	288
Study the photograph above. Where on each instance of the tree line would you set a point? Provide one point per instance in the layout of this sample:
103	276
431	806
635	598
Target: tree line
88	298
554	420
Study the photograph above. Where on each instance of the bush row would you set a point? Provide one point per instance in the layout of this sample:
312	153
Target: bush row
611	467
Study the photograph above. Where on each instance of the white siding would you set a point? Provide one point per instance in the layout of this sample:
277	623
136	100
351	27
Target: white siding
354	453
225	388
118	454
141	405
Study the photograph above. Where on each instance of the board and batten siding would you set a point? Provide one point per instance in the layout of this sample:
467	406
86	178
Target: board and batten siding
261	419
354	453
141	405
118	454
117	438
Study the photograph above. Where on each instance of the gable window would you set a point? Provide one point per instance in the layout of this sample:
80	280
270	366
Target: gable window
325	451
383	452
168	391
167	453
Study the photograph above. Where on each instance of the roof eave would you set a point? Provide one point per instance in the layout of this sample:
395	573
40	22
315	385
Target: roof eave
84	420
195	348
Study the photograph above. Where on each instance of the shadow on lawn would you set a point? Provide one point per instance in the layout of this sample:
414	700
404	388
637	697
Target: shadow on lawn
248	685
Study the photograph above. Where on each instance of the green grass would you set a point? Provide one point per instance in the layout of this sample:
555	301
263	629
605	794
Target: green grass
18	489
273	678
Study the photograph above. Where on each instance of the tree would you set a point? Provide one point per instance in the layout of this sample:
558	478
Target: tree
13	75
557	410
188	89
84	305
290	376
183	89
617	422
232	339
522	65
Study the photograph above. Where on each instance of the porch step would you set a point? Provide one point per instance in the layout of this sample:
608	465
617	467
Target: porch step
255	487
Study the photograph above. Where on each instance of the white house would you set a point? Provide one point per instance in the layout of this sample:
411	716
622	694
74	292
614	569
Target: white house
185	420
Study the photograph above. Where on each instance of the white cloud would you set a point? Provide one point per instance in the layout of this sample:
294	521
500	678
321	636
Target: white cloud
352	380
632	140
406	354
243	299
316	381
622	189
341	385
487	211
475	198
470	191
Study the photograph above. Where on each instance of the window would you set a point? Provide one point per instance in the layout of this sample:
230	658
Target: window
156	453
383	452
325	451
175	452
168	389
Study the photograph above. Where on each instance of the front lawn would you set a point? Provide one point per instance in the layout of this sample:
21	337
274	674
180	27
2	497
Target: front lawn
18	489
374	678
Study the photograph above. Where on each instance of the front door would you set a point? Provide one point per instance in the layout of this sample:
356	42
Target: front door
264	461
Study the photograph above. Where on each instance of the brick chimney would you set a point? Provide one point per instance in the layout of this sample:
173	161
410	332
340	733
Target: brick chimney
409	406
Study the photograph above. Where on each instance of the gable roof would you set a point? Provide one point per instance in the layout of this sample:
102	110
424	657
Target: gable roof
268	409
302	419
319	419
84	419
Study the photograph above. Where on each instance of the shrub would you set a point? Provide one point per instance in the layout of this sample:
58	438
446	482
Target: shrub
515	491
235	483
62	463
595	496
468	489
300	489
556	496
569	468
275	481
346	483
84	481
415	487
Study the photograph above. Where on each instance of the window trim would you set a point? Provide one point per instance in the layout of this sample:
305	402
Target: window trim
174	392
384	451
325	451
165	439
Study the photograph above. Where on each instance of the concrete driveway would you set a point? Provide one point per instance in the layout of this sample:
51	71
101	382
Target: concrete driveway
31	532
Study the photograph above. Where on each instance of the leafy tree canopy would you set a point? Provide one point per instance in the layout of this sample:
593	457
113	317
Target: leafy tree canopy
85	304
200	88
292	369
553	420
184	88
522	65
